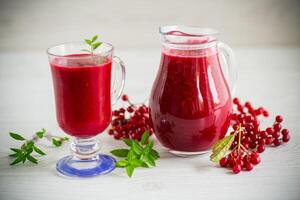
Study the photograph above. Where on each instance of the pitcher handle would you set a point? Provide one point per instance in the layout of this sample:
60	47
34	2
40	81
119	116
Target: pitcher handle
118	80
229	59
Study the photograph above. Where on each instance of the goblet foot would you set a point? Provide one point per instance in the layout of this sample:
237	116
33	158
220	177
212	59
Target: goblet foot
75	167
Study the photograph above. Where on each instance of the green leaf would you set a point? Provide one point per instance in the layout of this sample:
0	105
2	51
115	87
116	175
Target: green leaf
154	154
39	151
31	159
122	163
29	150
128	142
56	142
18	159
96	45
220	144
16	136
151	144
41	133
120	152
29	145
129	170
150	160
137	148
144	164
131	155
89	42
16	150
149	147
138	163
94	38
66	138
221	147
145	137
24	159
13	155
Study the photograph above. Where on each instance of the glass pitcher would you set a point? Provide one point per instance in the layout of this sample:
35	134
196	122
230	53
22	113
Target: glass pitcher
190	102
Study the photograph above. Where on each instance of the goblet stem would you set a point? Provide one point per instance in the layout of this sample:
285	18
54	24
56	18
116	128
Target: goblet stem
85	148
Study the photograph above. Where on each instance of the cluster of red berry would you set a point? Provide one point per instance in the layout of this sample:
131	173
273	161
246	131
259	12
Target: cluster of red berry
131	122
252	139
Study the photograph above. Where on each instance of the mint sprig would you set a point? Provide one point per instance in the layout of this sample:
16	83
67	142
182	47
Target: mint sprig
92	43
24	153
140	154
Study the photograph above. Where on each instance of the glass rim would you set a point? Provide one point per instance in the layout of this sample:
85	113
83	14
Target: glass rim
110	49
187	31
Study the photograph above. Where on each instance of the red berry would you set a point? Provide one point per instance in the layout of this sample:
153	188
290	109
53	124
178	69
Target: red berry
246	146
249	118
231	161
254	153
111	132
130	109
261	148
240	162
263	134
248	104
276	135
252	145
262	141
248	166
279	118
122	110
236	101
277	127
124	97
265	113
255	159
236	168
115	113
223	162
285	138
285	132
270	130
269	140
247	139
276	142
235	126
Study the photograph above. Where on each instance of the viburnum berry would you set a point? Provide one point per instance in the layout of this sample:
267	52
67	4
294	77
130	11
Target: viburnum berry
284	132
279	118
254	139
124	97
285	138
223	162
261	148
276	142
248	166
255	159
236	101
236	168
277	127
131	122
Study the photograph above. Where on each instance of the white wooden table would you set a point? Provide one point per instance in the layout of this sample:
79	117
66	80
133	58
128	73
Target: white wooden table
267	76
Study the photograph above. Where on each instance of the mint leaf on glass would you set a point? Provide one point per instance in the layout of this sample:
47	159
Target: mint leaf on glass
92	43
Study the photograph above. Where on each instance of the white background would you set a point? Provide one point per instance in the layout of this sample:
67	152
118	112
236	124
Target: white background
264	36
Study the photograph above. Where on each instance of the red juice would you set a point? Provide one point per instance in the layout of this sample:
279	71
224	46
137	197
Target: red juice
82	94
190	103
